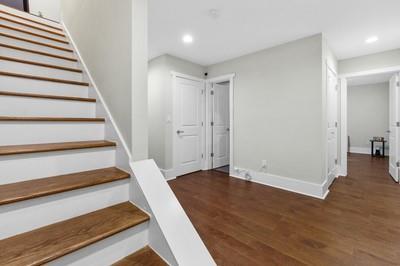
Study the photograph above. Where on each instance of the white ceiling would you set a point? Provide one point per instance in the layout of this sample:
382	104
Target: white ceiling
247	26
371	79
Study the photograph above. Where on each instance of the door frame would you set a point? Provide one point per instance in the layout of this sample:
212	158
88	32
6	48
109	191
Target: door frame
208	130
343	109
176	75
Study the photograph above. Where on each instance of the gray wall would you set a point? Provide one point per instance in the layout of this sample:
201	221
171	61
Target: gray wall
111	37
369	62
160	104
368	113
278	103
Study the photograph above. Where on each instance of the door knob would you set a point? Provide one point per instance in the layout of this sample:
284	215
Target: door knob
228	129
180	131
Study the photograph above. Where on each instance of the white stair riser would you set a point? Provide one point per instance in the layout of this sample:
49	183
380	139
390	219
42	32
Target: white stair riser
28	16
31	23
15	67
23	85
36	47
15	133
8	52
24	216
109	250
23	167
30	29
25	106
36	38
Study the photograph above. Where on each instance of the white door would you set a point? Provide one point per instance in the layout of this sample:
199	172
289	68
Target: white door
187	125
393	127
220	128
332	114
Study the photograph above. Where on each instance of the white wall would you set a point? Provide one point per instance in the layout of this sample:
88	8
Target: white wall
368	114
278	101
370	62
50	9
160	104
111	37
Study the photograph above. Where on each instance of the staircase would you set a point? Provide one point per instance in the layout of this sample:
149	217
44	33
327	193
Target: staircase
63	201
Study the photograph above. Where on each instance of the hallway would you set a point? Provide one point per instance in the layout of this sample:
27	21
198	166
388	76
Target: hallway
250	224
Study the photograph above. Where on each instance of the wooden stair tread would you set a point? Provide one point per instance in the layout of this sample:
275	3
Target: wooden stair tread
49	119
45	96
31	20
34	34
143	257
13	59
32	26
20	191
50	147
37	52
17	75
53	241
36	42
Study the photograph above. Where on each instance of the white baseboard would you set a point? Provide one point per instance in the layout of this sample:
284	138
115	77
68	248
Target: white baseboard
319	191
168	174
365	150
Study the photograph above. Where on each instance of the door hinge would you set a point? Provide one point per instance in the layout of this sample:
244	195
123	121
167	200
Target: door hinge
202	124
398	84
397	124
212	92
336	124
202	92
212	124
212	154
336	161
398	164
202	156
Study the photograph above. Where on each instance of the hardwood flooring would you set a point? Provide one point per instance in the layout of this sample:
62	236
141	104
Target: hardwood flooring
244	223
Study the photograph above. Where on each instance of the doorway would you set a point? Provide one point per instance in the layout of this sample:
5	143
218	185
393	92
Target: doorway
370	115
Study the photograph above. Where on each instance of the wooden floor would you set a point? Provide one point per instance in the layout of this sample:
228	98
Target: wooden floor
245	223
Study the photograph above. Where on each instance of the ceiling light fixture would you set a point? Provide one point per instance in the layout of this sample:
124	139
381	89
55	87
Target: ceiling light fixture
372	39
187	38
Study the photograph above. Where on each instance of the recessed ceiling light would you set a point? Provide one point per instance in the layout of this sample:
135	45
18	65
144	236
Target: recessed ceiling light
187	38
372	39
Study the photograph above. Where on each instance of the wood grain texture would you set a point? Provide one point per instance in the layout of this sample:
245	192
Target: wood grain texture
31	20
51	242
36	42
20	191
34	34
143	257
32	26
245	223
24	76
45	96
12	59
37	52
51	147
50	119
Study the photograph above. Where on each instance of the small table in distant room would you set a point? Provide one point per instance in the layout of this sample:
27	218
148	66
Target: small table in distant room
372	147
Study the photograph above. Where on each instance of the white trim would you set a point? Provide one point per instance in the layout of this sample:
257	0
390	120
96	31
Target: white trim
181	75
343	126
223	78
366	150
319	191
370	72
169	174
